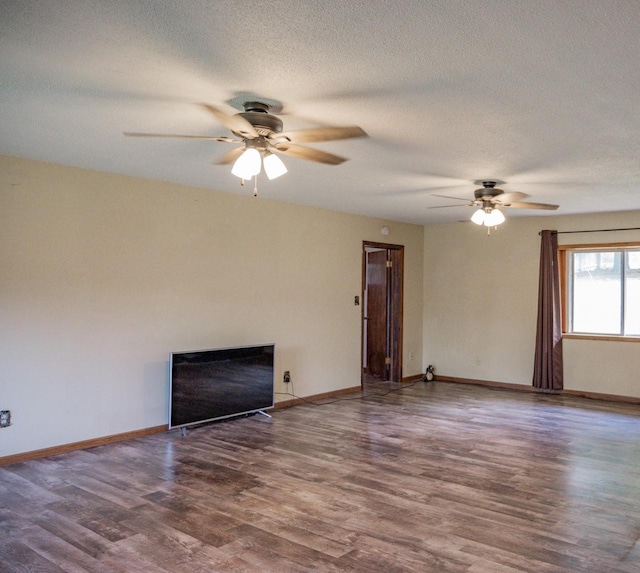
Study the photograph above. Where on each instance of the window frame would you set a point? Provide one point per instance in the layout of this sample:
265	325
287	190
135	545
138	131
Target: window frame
563	267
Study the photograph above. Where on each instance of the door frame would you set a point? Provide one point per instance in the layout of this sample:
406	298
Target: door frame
395	299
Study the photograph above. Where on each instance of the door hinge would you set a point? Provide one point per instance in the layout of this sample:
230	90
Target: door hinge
387	360
389	264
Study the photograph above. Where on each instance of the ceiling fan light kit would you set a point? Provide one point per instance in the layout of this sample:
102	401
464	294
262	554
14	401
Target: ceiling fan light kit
488	216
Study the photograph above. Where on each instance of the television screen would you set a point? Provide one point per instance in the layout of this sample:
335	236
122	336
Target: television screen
207	385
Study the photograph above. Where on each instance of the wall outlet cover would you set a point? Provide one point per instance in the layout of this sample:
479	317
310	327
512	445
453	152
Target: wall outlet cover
5	418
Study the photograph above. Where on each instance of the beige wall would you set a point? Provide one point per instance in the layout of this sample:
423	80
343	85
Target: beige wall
103	276
481	304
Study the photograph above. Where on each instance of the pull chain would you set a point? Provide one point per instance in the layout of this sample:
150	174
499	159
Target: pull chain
255	185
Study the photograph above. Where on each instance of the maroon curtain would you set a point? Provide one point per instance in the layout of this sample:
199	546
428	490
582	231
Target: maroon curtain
547	368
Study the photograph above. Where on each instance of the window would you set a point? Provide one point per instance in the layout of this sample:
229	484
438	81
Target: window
601	289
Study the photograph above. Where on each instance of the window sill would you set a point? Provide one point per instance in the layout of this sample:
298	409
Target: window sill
610	337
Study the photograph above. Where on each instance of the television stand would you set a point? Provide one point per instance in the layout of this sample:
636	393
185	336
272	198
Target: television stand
263	413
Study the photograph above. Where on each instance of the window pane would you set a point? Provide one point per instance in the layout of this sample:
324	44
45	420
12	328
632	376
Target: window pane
596	292
632	291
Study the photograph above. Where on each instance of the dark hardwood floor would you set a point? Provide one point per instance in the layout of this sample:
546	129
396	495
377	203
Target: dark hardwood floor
436	477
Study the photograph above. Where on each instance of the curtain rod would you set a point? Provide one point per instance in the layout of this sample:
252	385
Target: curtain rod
594	231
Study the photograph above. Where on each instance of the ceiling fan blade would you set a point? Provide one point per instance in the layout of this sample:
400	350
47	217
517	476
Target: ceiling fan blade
230	156
207	137
321	134
521	205
446	206
450	197
235	123
308	153
508	198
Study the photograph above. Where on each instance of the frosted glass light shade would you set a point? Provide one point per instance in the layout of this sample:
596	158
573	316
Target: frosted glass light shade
478	217
495	217
273	166
248	164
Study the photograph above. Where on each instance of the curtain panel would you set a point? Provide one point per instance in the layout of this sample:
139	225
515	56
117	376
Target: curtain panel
547	369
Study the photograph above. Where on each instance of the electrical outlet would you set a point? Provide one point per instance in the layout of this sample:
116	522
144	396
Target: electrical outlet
287	377
5	418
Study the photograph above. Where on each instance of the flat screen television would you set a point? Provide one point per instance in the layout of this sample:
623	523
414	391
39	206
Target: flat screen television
207	385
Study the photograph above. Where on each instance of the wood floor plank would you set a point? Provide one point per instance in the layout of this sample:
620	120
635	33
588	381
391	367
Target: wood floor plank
62	554
19	485
293	531
16	556
439	477
73	533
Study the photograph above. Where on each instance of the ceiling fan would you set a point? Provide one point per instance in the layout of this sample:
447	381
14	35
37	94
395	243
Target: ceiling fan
488	199
260	136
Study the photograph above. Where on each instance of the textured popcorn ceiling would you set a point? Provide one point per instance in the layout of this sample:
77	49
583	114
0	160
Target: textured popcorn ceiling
544	95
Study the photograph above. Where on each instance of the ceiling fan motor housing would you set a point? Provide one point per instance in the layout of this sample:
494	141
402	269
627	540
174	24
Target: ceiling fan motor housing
257	114
488	190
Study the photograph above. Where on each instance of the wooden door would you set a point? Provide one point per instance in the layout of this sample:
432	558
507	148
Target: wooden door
383	283
377	331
